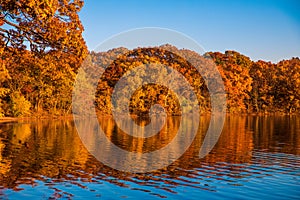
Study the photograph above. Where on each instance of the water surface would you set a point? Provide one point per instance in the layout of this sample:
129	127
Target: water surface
255	157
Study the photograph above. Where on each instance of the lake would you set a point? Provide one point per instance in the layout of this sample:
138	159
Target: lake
256	157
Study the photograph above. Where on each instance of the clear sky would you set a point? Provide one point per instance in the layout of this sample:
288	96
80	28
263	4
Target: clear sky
261	29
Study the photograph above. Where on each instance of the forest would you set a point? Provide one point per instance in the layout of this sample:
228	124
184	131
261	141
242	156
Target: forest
42	49
251	87
39	86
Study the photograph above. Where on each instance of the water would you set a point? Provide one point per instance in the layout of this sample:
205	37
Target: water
255	157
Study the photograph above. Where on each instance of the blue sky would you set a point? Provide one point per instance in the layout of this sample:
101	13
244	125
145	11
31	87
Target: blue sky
261	29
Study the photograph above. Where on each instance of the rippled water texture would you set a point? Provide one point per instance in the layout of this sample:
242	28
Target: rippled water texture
255	157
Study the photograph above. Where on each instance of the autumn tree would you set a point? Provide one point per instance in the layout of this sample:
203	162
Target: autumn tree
42	25
42	42
4	76
250	86
153	59
287	88
234	69
275	87
264	82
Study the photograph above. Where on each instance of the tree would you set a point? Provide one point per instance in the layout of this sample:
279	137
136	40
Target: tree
42	42
153	59
263	86
287	88
3	77
42	25
234	69
276	87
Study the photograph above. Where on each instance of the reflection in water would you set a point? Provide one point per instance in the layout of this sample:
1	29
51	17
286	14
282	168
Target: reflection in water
253	155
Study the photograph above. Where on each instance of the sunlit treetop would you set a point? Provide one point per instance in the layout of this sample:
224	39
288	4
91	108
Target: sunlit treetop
41	25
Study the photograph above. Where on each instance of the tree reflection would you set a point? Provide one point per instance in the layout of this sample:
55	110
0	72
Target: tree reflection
51	150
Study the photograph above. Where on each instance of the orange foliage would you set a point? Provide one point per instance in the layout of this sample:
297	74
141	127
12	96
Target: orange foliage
42	47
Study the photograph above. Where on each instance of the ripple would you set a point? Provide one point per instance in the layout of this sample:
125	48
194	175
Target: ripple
55	165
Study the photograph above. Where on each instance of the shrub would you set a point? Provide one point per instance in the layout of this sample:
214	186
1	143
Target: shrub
19	105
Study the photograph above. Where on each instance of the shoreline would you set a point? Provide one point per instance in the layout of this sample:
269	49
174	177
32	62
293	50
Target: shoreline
70	116
8	119
29	118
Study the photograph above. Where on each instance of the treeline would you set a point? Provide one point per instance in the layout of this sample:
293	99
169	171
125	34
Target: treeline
259	86
251	87
32	85
41	50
